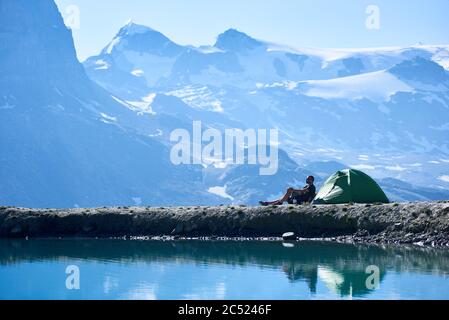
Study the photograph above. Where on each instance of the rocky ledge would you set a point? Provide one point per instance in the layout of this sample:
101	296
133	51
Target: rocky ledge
422	223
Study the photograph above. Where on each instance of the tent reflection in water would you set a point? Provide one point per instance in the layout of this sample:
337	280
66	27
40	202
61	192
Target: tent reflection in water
350	186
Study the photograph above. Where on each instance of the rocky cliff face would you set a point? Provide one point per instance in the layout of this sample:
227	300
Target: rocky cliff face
36	48
420	223
65	141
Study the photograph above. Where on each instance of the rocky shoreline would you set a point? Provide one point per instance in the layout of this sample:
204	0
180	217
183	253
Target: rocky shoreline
421	223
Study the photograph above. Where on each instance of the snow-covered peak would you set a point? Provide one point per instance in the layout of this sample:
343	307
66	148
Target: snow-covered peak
421	70
140	38
377	58
132	28
376	86
234	40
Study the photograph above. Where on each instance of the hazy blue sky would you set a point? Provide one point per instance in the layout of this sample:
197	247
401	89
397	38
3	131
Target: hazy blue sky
317	23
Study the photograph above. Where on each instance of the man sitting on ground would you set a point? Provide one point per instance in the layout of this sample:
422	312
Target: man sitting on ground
304	195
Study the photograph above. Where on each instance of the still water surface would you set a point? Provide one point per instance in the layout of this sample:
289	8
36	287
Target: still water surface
110	269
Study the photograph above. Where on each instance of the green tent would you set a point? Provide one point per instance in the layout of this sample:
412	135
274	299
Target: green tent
350	185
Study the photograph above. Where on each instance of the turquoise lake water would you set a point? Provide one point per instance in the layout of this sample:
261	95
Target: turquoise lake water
116	269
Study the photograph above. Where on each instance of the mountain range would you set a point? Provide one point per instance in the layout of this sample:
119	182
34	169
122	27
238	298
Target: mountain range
382	110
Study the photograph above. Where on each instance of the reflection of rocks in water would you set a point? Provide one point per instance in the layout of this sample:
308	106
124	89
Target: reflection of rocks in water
340	267
306	273
339	281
